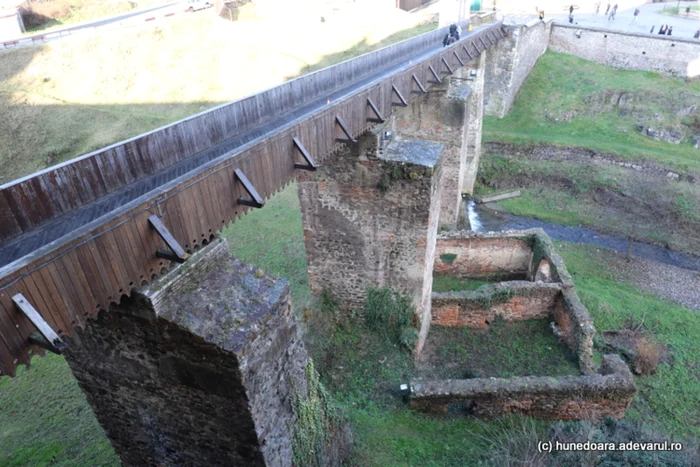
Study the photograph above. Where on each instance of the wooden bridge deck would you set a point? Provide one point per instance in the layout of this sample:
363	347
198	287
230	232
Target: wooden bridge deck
80	235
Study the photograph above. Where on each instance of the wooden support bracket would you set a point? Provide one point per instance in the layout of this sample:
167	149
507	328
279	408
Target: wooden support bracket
459	59
464	47
379	118
435	75
447	65
404	103
45	337
420	85
341	123
176	253
310	166
256	201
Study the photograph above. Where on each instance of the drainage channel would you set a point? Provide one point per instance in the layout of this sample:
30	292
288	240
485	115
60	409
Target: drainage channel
484	219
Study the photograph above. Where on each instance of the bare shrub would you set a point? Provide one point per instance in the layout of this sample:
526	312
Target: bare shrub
648	354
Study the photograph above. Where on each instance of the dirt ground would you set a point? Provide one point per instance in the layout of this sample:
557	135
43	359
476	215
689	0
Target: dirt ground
678	285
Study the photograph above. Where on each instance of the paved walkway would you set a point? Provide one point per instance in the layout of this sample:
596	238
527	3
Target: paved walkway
648	17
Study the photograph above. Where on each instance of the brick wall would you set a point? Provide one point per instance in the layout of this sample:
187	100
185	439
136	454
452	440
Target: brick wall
490	255
509	256
630	51
511	301
566	398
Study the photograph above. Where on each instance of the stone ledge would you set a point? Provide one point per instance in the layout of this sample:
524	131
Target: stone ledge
568	397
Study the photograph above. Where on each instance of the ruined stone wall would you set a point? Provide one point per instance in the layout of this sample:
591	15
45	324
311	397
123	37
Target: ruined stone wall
200	368
630	51
510	62
509	301
483	256
565	398
505	256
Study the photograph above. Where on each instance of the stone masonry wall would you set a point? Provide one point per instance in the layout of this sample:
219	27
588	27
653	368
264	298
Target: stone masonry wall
510	62
566	398
475	109
630	51
200	368
482	256
511	301
371	221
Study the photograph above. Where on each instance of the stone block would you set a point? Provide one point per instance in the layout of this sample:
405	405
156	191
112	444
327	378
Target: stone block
202	367
371	219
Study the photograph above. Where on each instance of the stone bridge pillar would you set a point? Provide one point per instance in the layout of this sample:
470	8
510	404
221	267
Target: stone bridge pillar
202	367
370	217
476	72
450	114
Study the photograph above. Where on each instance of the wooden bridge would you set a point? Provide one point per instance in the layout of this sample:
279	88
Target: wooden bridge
82	234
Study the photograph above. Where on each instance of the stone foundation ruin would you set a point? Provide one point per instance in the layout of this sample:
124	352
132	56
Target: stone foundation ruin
533	283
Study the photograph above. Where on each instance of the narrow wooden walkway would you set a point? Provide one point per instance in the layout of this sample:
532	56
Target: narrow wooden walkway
81	235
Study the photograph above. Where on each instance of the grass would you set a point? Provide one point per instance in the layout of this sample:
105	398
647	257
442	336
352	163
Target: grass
610	199
45	420
61	13
272	238
524	348
668	401
455	284
69	97
565	86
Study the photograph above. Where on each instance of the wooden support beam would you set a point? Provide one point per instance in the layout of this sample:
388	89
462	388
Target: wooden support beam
481	39
420	85
256	201
459	59
45	337
379	118
176	252
447	65
404	103
435	75
310	166
497	197
341	123
464	47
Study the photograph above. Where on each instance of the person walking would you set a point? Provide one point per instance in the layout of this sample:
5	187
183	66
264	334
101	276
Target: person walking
541	15
612	13
607	9
669	30
697	34
662	29
636	13
597	7
571	10
652	30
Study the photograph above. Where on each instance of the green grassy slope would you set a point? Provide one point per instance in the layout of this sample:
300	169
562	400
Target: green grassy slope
585	97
